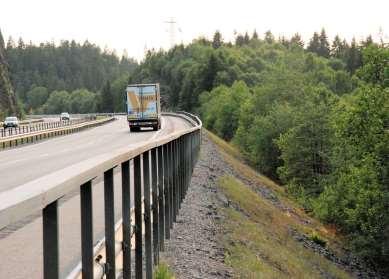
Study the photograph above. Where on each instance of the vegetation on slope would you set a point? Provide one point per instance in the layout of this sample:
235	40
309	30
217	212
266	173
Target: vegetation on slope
269	236
8	103
314	119
163	271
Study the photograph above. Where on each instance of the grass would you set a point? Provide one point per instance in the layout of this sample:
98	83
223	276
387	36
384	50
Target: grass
162	271
259	243
258	238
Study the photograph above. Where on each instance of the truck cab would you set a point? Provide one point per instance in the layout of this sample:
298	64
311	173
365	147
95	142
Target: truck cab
143	106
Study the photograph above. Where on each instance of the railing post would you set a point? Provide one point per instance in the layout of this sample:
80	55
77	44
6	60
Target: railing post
161	206
86	230
154	169
166	182
109	224
147	214
138	218
50	241
175	184
171	183
126	212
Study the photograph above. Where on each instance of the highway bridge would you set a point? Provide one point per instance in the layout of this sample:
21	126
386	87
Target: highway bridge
41	181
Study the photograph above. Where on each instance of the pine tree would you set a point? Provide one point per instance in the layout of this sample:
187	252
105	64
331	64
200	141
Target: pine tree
353	57
107	102
337	49
246	38
209	73
217	40
2	45
314	43
239	40
297	40
367	42
10	43
269	38
255	35
324	46
284	41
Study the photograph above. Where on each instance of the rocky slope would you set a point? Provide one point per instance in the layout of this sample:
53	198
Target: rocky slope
8	104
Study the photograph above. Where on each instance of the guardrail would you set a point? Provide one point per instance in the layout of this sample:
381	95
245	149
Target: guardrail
25	128
33	136
163	166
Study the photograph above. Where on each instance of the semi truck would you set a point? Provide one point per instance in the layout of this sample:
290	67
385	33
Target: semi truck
143	106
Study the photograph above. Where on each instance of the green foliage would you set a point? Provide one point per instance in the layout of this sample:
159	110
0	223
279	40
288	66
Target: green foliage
375	65
317	239
82	101
162	271
305	147
67	66
59	101
356	194
221	107
36	97
8	102
107	99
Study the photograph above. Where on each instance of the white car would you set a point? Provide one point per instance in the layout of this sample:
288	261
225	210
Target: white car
11	121
65	116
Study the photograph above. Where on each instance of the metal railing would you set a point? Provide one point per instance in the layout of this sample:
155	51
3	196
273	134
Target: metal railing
163	166
35	127
33	136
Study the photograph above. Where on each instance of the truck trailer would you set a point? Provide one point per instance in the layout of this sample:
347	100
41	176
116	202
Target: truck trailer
143	106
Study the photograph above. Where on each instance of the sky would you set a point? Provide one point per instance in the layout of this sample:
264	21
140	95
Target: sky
135	26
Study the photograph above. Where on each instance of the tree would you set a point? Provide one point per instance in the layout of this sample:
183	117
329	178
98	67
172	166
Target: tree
284	41
255	35
356	195
353	57
217	40
314	43
367	42
338	49
305	148
324	46
239	40
375	67
297	40
2	45
83	101
10	43
107	102
269	38
59	101
209	73
36	97
246	38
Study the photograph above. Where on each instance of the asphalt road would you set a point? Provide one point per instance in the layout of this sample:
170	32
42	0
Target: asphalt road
21	244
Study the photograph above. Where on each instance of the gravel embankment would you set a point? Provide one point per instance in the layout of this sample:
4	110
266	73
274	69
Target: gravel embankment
193	250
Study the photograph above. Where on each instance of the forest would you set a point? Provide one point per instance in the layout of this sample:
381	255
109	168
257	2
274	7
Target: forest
70	76
313	116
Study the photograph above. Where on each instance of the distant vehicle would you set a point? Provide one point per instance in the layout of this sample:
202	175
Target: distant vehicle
143	106
65	116
11	121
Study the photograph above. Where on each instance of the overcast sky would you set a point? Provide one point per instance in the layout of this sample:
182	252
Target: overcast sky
135	25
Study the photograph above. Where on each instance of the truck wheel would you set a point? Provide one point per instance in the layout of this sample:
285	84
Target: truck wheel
134	129
155	128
